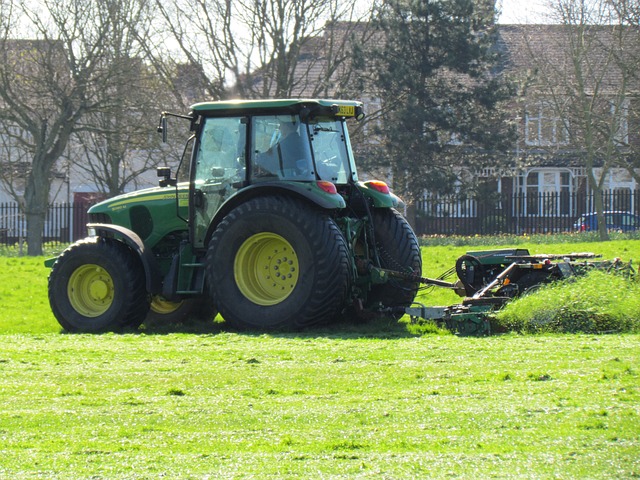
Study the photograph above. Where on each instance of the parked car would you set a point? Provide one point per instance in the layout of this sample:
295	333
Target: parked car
621	221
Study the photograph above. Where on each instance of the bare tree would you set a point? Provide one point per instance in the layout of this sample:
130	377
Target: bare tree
114	148
628	11
589	80
264	48
50	83
116	144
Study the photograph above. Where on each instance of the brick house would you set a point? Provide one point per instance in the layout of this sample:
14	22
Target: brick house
546	176
549	159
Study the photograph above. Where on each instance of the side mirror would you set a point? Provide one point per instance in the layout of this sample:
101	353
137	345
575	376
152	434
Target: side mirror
165	174
162	127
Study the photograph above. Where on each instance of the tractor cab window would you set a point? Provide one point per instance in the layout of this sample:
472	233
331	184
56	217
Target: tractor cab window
330	149
219	167
280	149
221	148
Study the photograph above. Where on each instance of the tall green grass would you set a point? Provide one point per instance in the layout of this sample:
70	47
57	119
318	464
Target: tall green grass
20	249
23	296
597	303
614	298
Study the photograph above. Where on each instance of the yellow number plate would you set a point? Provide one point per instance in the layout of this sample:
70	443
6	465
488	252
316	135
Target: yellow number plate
346	111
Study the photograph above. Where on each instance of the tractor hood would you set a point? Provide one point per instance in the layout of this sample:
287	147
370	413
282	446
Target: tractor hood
152	213
154	194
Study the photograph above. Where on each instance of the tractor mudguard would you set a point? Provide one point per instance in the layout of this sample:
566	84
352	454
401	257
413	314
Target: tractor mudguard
308	191
380	197
153	277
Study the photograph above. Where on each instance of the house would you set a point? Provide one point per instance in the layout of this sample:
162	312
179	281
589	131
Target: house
549	157
546	186
547	175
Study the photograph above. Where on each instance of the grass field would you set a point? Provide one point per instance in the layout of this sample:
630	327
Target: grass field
353	401
319	406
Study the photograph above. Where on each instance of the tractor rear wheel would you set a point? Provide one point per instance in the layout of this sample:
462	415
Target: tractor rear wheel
96	285
398	250
277	263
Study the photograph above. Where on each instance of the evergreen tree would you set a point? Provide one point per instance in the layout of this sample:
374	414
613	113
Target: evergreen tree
441	94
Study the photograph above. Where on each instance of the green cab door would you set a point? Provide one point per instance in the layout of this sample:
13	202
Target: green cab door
219	168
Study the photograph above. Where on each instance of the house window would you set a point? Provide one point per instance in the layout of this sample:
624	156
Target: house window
620	190
543	127
372	126
565	201
620	114
547	192
532	193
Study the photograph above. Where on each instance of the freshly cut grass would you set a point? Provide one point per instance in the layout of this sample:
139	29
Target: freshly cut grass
319	405
353	400
597	303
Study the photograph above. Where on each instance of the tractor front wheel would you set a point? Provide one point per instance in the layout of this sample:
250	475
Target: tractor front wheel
96	285
275	262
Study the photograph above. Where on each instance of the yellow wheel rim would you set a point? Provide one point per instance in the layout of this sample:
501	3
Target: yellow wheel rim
266	269
90	290
162	306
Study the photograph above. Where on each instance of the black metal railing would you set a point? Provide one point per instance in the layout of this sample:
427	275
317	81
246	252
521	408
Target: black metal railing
507	214
549	212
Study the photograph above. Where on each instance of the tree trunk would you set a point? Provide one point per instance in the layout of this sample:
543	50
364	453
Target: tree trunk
36	202
602	221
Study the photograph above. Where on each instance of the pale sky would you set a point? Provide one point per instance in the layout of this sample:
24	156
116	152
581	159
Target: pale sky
522	11
513	11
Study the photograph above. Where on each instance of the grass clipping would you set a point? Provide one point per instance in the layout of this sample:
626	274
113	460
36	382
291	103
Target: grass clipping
595	303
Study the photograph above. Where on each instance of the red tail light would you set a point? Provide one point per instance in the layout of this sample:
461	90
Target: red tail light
327	186
378	186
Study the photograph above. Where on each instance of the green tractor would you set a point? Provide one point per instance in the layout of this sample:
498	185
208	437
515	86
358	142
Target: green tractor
273	230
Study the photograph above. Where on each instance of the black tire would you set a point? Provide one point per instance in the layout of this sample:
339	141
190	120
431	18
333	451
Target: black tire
398	250
98	285
471	273
277	263
164	312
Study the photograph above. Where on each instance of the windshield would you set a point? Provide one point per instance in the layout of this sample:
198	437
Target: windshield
284	147
329	144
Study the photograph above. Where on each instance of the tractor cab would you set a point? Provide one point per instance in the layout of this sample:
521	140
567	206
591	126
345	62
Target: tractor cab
243	148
